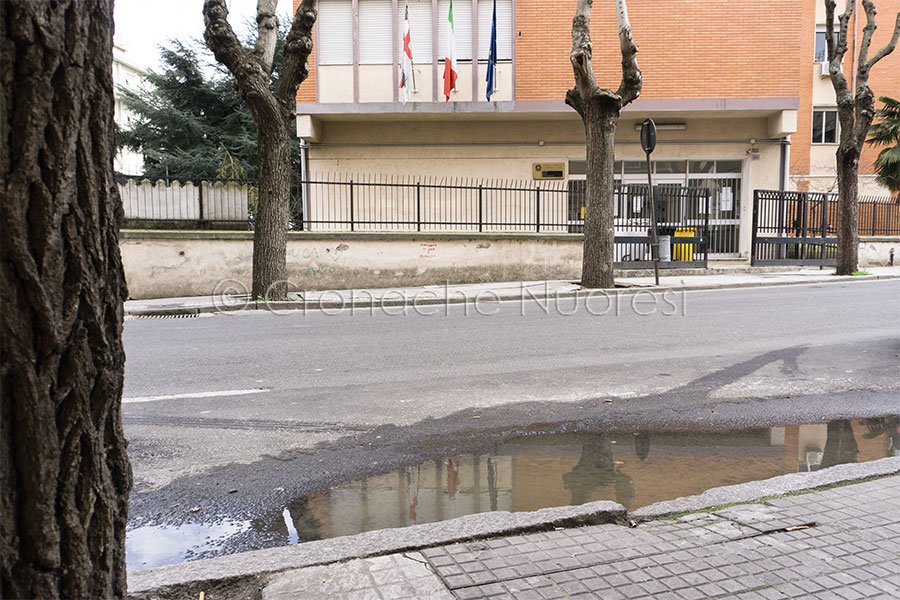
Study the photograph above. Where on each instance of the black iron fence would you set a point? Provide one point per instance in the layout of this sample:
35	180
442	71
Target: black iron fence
800	228
355	204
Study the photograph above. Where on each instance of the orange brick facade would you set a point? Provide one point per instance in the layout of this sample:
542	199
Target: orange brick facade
688	49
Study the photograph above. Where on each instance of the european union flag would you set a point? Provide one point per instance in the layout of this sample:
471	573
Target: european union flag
492	58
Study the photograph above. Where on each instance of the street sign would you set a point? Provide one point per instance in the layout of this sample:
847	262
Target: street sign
648	135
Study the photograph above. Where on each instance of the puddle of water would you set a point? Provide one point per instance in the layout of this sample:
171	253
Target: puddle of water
158	545
538	471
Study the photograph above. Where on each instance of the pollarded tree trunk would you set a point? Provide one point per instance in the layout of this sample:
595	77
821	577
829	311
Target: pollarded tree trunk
64	472
856	110
599	109
599	247
273	112
848	209
269	237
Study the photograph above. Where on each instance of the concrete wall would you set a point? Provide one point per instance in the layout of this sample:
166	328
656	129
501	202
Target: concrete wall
879	248
161	264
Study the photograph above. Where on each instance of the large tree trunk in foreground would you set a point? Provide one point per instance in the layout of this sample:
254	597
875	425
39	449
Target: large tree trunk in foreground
273	112
64	472
856	110
599	109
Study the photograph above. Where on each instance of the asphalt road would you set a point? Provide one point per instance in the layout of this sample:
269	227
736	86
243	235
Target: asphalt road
296	401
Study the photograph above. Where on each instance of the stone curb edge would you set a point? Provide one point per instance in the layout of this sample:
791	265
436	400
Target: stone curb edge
457	299
375	543
488	525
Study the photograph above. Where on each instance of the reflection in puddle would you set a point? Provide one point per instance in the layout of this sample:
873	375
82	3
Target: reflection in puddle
157	545
537	471
634	469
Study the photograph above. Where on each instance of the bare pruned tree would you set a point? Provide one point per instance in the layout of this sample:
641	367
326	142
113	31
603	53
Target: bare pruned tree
599	109
856	110
64	471
272	104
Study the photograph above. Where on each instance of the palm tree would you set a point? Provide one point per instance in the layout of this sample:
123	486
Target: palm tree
886	132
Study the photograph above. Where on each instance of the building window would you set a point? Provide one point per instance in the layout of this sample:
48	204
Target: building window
821	51
824	126
504	29
419	30
335	23
376	32
462	29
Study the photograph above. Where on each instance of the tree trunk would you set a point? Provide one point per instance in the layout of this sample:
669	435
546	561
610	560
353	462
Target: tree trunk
64	472
599	229
848	209
269	237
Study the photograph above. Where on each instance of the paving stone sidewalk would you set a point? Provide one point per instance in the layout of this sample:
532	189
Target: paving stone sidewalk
841	543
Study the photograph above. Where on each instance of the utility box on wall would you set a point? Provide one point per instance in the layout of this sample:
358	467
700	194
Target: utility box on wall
544	171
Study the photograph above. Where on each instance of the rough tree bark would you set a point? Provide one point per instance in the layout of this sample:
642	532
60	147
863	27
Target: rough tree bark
64	472
599	109
272	106
856	109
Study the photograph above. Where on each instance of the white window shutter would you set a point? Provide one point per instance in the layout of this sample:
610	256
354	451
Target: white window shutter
462	23
419	29
335	23
504	29
376	33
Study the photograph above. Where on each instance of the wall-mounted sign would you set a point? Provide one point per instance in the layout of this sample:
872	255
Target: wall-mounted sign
548	170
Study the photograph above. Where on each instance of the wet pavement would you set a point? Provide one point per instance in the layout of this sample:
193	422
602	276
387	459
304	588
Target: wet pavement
525	471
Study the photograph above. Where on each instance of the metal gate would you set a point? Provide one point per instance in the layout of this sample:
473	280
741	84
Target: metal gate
793	228
682	214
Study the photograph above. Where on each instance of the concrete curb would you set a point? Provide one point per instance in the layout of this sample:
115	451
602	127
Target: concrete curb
374	543
457	298
754	491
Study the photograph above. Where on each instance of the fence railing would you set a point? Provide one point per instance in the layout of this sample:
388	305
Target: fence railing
801	228
340	203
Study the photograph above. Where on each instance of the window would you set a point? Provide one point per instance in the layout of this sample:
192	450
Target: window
504	28
821	52
419	30
376	32
335	23
462	27
824	126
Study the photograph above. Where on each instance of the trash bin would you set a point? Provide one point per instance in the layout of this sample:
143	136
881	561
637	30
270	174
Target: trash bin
665	248
684	252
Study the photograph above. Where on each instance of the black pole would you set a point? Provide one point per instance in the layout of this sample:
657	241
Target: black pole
648	143
654	246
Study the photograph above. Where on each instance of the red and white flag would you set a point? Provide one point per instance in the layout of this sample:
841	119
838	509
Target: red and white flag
407	79
450	72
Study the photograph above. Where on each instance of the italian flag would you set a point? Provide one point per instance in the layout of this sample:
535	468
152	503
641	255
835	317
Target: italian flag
450	72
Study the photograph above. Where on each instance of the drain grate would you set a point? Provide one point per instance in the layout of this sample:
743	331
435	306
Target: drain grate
165	316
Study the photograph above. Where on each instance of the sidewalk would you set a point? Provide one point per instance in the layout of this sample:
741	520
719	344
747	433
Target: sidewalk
841	543
503	291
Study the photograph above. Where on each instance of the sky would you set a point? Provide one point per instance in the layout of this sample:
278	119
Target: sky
142	25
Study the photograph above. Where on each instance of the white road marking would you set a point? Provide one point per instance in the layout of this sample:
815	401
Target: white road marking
194	395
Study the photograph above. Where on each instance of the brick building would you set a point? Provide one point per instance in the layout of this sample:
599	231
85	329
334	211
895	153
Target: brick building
735	86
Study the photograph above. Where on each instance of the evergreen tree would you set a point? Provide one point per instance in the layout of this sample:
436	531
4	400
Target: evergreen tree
190	123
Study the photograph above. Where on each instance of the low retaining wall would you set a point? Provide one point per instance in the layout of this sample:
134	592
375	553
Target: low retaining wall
879	249
161	264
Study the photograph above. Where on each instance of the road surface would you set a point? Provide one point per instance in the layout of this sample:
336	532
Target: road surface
297	401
